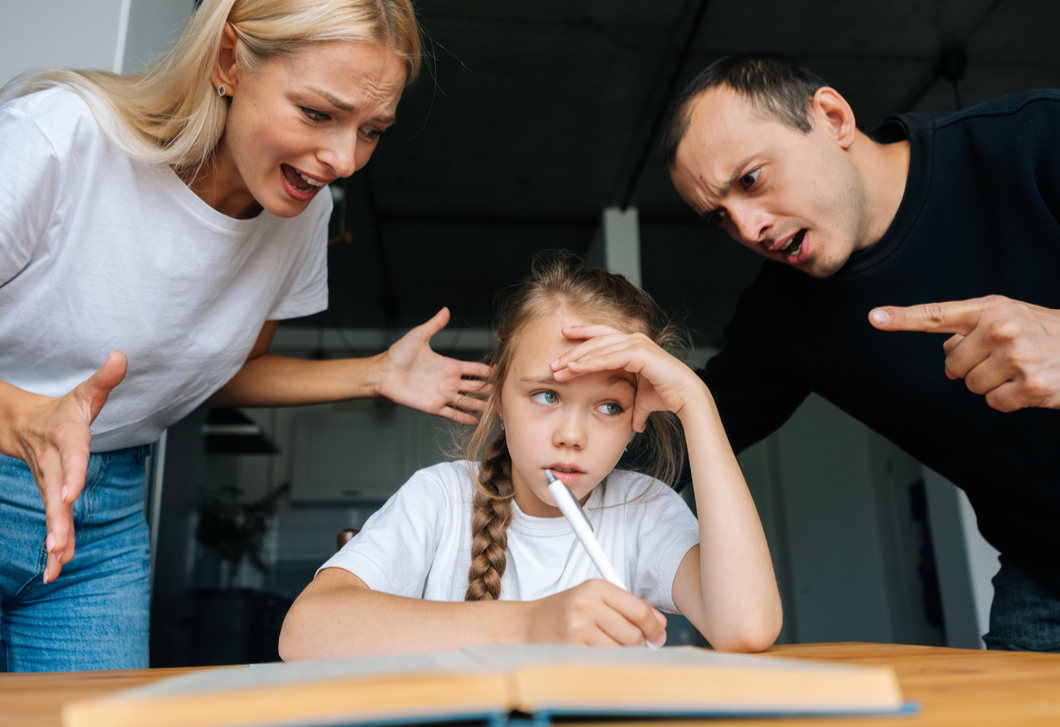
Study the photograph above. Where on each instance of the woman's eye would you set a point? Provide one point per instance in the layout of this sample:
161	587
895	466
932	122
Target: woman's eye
372	133
716	218
545	397
313	114
610	408
750	178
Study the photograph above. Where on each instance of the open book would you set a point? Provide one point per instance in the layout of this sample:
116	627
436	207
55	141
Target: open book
495	683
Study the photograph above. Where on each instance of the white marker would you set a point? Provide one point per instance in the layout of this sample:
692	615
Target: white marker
578	520
582	528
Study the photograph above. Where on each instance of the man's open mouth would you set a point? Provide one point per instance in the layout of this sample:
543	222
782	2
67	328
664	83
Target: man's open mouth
794	244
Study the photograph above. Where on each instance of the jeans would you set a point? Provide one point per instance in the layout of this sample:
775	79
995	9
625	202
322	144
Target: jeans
96	614
1025	614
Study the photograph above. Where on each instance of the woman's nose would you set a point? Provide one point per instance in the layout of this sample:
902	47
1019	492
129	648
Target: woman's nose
342	155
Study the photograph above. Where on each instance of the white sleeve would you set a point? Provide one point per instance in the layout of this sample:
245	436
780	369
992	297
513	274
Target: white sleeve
666	531
307	292
28	191
394	551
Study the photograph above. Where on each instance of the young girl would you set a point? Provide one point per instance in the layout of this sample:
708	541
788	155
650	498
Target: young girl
477	552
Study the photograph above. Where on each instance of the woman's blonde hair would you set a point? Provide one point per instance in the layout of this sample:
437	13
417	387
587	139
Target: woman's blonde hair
171	113
558	282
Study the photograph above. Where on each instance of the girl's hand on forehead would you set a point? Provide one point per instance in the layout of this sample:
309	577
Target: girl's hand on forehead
663	382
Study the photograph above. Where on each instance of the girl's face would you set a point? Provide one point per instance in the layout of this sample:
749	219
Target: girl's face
578	429
298	122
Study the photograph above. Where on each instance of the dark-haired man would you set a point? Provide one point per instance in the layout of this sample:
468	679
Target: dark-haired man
959	207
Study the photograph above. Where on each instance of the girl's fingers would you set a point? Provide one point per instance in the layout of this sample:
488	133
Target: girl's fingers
618	629
584	349
612	356
639	614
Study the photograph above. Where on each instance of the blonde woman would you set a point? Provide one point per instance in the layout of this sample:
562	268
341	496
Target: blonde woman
160	225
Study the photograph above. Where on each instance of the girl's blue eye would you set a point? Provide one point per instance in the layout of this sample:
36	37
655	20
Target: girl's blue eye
372	134
545	397
610	408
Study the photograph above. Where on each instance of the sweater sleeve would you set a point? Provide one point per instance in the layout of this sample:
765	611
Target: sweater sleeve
748	382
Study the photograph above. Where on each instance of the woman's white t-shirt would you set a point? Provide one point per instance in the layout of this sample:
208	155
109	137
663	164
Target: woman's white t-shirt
99	252
419	543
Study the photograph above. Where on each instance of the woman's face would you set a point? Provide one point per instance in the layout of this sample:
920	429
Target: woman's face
577	428
298	122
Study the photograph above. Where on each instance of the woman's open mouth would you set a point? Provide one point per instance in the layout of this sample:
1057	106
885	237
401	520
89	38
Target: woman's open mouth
304	186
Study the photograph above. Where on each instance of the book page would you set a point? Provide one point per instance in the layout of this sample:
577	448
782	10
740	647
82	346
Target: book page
509	657
683	681
282	674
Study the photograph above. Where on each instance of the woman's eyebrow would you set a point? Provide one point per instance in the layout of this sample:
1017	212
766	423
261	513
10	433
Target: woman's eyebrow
347	106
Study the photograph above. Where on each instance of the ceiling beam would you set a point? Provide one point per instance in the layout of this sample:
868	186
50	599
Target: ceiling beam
654	108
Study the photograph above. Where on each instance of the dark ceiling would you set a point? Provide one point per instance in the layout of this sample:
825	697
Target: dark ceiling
532	117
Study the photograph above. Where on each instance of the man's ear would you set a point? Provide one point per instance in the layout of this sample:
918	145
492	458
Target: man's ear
225	69
833	113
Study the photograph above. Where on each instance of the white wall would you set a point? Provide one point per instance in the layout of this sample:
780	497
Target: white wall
61	33
153	26
112	35
966	563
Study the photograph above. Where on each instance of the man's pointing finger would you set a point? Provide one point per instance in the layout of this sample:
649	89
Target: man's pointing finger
960	316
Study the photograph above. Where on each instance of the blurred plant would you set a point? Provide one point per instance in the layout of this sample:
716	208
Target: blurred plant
233	530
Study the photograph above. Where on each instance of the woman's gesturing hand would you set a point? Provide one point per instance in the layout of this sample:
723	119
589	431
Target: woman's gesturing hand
53	440
595	613
664	383
417	377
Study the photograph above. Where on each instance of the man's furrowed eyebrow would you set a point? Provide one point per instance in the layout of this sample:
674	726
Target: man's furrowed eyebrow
724	191
348	107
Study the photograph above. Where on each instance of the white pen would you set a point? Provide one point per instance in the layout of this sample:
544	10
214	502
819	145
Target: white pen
579	521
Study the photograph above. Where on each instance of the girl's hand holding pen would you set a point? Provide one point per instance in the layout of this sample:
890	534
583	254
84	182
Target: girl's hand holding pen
663	382
594	613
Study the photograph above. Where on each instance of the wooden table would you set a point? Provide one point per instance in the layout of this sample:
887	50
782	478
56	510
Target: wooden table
953	687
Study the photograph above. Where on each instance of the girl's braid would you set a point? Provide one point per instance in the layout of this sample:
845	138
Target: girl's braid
492	513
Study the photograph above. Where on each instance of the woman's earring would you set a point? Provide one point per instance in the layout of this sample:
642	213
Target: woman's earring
502	425
221	90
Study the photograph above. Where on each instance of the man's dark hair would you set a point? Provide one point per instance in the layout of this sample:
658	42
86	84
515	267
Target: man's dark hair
778	87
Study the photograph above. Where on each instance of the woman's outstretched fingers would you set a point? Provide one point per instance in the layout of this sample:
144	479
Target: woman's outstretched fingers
61	461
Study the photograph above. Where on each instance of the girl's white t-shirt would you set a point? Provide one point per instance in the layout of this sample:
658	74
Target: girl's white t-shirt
100	252
419	543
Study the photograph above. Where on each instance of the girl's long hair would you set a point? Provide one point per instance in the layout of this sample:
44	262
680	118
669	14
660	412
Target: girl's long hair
558	282
171	114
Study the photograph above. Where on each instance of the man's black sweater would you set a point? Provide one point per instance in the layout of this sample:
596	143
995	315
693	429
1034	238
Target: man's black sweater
979	216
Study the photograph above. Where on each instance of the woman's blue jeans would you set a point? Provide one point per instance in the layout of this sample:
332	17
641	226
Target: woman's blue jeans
96	614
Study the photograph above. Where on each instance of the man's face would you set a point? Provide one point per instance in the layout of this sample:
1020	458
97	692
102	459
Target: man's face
790	196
